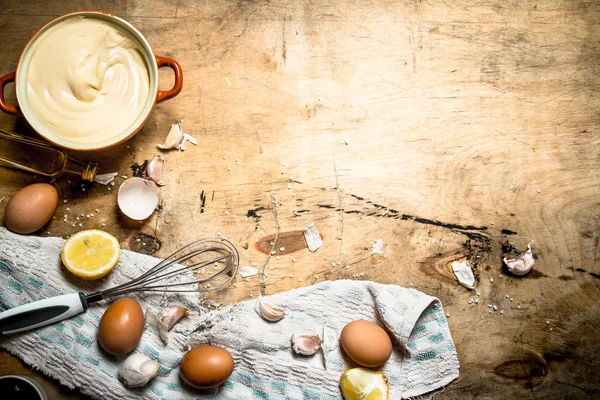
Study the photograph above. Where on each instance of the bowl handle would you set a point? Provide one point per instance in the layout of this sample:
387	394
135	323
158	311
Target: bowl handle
163	95
5	80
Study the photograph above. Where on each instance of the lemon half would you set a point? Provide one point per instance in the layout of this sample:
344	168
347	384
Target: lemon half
364	384
90	254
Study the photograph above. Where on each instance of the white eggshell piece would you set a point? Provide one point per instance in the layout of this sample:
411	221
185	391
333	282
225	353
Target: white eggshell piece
138	198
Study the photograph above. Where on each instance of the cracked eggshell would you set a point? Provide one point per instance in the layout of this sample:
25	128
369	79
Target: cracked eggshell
137	198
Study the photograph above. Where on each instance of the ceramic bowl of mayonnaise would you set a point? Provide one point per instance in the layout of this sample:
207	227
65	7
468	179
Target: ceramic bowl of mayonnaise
88	80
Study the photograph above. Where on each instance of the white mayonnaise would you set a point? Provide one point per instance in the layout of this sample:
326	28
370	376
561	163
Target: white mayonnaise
87	81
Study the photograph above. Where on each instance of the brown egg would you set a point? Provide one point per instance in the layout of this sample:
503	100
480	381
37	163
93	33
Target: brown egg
205	367
31	208
366	343
121	327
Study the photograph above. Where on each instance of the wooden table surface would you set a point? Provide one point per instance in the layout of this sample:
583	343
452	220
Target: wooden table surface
448	129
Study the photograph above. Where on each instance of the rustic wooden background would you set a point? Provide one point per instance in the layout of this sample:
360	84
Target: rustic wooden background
448	129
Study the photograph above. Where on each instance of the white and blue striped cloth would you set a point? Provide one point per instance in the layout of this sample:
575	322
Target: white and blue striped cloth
424	357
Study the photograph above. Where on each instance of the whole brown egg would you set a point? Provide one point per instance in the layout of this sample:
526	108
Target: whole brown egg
205	367
366	343
121	327
31	208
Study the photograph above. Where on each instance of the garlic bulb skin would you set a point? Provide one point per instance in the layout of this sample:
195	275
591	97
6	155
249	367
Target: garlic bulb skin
522	264
137	370
268	312
306	345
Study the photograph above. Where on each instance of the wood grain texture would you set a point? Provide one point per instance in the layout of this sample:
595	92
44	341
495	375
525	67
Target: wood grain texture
448	129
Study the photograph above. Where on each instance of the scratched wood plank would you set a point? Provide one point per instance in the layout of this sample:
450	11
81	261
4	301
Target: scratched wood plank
448	129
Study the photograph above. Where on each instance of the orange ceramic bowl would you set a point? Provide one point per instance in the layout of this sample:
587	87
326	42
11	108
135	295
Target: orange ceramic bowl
153	63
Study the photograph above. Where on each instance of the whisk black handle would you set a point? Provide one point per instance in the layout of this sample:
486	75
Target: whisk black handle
42	312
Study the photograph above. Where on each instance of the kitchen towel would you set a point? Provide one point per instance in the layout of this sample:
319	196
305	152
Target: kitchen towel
424	356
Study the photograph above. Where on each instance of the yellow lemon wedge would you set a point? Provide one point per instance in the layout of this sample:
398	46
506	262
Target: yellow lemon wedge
90	254
364	384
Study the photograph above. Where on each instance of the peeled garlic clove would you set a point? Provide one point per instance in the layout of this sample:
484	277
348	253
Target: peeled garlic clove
171	315
307	345
268	312
154	170
137	370
173	139
522	264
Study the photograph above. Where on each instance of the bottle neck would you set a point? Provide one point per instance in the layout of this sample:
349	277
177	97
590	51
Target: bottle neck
87	170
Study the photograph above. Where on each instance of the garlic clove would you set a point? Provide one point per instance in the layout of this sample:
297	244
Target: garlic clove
154	170
137	370
306	345
522	264
171	315
165	320
173	139
268	312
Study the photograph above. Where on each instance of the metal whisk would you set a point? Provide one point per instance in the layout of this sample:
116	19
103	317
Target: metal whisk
182	271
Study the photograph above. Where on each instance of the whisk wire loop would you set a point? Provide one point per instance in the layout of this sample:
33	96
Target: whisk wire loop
184	264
